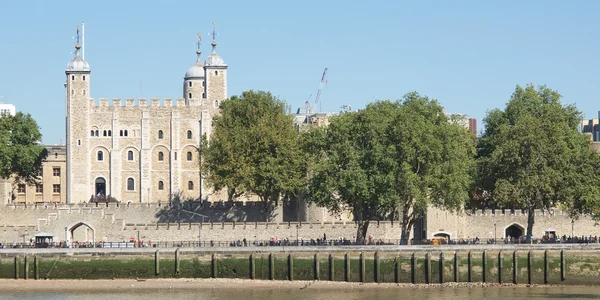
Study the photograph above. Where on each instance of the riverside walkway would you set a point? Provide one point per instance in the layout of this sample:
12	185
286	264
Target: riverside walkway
11	252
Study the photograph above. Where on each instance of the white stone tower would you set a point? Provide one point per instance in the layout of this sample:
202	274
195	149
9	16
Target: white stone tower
77	89
216	76
193	81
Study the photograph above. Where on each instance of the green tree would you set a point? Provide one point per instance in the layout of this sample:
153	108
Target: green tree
21	153
389	156
254	149
435	156
532	156
354	169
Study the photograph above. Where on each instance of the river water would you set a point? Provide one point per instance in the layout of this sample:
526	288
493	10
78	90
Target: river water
513	293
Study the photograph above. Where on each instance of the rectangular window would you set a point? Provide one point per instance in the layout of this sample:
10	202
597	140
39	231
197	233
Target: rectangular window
56	171
39	173
39	188
21	189
56	188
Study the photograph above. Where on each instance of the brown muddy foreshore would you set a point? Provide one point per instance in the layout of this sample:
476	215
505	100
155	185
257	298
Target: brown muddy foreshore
223	284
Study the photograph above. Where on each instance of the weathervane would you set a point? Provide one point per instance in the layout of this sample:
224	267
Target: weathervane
214	32
77	34
199	42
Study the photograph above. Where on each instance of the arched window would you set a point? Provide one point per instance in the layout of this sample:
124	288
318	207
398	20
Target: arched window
190	95
100	155
216	103
104	133
92	133
109	133
189	83
189	155
125	132
83	77
189	134
72	77
161	185
84	92
130	184
190	185
216	73
120	132
160	134
203	95
97	133
129	155
161	156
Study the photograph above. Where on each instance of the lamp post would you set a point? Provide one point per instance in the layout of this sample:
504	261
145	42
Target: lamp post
494	232
297	234
572	225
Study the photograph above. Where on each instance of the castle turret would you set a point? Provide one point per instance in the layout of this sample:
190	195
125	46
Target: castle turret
77	89
193	81
216	76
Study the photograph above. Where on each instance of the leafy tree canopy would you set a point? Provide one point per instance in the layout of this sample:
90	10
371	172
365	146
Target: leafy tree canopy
405	154
21	153
253	149
532	156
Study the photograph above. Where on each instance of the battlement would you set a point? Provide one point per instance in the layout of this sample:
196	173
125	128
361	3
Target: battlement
130	205
515	212
257	225
143	102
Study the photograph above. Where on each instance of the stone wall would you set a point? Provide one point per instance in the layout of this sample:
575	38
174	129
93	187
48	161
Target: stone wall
490	223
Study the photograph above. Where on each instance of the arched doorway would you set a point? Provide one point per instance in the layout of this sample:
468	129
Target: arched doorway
81	233
100	187
441	238
514	231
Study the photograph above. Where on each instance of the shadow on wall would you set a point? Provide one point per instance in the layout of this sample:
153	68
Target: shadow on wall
184	210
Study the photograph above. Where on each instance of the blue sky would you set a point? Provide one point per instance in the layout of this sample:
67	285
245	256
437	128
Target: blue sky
469	55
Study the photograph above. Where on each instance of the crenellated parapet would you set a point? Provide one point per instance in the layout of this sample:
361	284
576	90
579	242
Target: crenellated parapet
143	104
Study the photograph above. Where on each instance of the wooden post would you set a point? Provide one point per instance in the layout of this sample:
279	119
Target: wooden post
271	267
290	267
16	267
469	267
177	261
500	267
427	268
316	267
156	263
483	270
346	268
36	268
562	265
546	266
529	267
515	268
25	268
213	264
412	268
362	267
331	268
252	265
441	267
397	271
376	267
455	268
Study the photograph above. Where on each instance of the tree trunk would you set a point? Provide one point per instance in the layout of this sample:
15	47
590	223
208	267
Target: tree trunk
407	222
530	222
361	231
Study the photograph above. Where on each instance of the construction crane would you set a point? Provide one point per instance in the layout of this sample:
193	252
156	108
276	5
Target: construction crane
323	80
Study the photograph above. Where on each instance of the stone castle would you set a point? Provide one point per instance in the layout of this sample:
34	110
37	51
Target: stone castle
141	153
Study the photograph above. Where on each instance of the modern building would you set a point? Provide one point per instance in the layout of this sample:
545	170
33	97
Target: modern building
7	109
